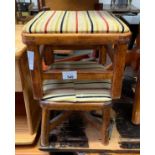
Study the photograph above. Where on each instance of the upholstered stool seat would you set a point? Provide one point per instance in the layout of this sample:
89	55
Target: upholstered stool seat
77	91
75	22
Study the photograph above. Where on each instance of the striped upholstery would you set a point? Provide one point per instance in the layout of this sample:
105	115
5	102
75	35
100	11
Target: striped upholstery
77	65
75	22
77	91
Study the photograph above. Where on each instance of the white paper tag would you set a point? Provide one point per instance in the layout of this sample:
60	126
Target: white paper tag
69	75
30	55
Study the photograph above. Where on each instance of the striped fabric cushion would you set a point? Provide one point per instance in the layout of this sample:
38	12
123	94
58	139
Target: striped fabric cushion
77	91
75	22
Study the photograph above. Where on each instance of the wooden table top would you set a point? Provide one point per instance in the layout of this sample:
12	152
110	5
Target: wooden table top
20	47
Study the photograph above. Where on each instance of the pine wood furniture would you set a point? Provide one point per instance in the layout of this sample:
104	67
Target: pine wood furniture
34	41
27	115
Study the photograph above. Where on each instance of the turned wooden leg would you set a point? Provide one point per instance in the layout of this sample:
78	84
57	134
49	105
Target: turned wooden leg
102	55
105	125
45	127
136	104
118	69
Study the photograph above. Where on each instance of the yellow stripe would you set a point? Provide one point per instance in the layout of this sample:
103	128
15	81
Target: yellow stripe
51	25
94	20
27	26
106	15
57	22
125	26
44	21
38	24
66	20
85	17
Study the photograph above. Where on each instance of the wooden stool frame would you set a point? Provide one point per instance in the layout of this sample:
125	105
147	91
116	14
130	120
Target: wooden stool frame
78	41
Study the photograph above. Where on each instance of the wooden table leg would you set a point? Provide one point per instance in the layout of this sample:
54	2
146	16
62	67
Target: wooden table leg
136	104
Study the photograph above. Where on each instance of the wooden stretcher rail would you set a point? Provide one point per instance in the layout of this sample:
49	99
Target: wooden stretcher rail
74	106
81	74
75	39
59	119
73	47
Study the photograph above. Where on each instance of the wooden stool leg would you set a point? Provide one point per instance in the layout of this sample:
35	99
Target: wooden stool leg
105	125
45	127
118	69
102	55
136	105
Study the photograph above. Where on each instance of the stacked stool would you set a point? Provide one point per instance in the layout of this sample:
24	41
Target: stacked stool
76	86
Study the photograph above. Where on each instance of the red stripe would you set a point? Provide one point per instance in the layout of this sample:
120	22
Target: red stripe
104	21
48	21
76	21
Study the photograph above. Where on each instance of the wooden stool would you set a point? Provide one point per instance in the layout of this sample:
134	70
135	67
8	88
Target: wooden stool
90	29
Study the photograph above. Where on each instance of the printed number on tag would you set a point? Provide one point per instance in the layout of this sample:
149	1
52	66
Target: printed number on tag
69	75
30	55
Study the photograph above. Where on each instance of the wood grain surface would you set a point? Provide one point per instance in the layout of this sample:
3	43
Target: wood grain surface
20	47
23	135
